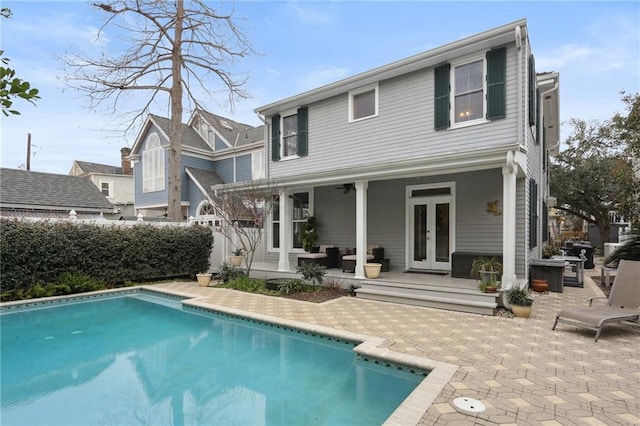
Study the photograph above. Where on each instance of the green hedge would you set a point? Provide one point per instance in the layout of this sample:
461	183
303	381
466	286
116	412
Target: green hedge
40	252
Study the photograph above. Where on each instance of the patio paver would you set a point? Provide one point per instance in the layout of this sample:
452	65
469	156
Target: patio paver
523	372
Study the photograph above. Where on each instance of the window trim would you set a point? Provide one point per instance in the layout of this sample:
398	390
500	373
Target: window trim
156	182
364	89
452	92
291	249
109	188
283	115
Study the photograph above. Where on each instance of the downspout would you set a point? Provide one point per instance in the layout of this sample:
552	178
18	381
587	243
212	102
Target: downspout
518	35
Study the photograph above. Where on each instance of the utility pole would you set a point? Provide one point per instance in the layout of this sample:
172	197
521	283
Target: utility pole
28	151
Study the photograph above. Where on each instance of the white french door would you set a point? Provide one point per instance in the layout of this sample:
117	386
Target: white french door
430	227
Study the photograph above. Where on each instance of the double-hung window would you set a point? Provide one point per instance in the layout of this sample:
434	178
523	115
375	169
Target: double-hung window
301	208
105	188
289	134
363	103
468	96
471	90
153	164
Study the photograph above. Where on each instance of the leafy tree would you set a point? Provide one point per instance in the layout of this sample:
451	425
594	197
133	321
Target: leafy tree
597	172
173	50
11	86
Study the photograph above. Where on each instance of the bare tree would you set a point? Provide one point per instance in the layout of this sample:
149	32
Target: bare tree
243	209
166	39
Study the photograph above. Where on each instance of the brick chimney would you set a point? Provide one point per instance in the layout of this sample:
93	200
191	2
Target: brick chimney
126	163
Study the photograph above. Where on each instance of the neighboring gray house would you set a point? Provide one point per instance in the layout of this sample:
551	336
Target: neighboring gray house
215	150
438	158
116	183
50	196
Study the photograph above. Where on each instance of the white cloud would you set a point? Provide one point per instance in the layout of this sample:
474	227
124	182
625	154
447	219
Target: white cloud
319	77
564	56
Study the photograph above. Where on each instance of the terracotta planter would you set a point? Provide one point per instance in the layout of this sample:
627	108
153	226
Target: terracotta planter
521	311
235	260
372	270
539	286
203	279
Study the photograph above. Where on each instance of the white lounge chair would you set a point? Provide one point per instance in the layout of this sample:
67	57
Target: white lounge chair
623	303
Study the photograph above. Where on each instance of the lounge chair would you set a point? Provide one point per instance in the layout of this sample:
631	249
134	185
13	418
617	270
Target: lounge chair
623	303
326	256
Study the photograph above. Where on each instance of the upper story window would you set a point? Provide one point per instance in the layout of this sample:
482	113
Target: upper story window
472	90
289	133
468	91
105	188
153	164
363	103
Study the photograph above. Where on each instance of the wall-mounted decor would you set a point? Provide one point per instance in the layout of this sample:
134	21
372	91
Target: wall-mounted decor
492	207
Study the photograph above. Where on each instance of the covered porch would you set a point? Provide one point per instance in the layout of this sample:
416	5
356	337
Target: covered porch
411	288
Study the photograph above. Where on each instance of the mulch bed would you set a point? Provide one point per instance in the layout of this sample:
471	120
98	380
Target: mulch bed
322	295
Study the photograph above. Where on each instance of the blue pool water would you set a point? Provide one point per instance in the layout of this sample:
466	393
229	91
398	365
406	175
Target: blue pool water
130	360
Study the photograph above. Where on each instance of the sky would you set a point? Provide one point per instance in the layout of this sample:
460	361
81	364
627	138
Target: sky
301	45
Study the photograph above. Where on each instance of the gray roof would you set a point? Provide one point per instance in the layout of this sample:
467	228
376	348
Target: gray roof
234	131
190	138
204	178
104	169
48	191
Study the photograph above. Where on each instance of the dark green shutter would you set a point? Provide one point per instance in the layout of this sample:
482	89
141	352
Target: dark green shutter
441	96
533	217
536	134
303	131
275	138
532	91
496	83
545	222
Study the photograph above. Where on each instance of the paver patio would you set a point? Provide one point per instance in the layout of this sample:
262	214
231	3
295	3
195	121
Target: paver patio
523	372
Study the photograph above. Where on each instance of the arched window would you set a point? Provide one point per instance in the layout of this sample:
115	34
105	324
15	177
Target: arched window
153	164
205	209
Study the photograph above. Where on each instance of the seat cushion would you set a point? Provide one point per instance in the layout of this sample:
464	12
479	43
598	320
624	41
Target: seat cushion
313	255
353	257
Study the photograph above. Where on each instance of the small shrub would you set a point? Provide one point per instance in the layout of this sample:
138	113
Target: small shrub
312	273
549	251
292	286
244	283
519	296
228	272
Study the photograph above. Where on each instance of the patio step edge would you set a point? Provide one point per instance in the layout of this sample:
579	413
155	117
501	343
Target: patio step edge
461	305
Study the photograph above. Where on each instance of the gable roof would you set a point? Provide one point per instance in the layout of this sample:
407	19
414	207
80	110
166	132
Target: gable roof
235	133
204	179
47	191
486	40
104	169
190	138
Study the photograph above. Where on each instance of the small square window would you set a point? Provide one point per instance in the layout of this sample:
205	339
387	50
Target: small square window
363	103
105	188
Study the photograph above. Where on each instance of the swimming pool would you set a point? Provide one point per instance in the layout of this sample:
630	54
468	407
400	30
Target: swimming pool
139	358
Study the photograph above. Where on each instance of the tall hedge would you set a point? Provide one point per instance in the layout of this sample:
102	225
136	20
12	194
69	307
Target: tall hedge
39	252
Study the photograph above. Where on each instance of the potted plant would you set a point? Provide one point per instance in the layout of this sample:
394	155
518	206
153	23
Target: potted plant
236	258
309	234
520	300
203	279
487	270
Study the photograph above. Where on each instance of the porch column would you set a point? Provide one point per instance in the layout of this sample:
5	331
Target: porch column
361	227
286	210
509	175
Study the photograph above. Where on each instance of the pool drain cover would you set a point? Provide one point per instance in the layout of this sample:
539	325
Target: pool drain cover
468	405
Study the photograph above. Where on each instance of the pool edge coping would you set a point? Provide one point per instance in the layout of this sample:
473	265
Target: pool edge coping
409	412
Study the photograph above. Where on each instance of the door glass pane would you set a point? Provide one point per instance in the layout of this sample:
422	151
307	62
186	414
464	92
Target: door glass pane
442	232
420	232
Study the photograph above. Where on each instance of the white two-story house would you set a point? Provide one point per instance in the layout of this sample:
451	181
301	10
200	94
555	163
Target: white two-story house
437	158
